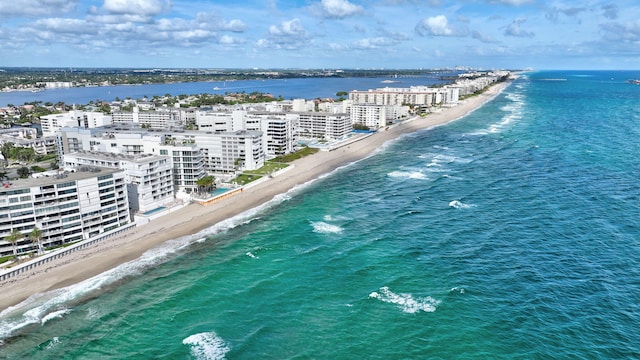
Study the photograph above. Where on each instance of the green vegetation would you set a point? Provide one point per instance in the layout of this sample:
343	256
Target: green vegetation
4	259
360	126
268	168
37	169
206	184
36	78
24	172
13	238
244	179
306	151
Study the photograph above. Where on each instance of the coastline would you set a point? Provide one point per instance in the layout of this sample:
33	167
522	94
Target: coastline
132	244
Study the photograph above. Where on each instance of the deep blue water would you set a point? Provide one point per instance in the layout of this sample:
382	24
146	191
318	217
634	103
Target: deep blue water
511	233
305	88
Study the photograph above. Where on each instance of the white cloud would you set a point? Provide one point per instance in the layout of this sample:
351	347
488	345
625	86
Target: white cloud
482	37
30	8
513	2
514	29
229	40
339	8
234	26
287	28
628	33
62	25
289	35
138	7
438	26
553	14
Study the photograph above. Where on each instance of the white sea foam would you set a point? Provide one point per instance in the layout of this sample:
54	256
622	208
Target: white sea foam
207	345
335	218
417	175
459	290
251	255
457	204
53	343
54	315
325	228
406	302
39	305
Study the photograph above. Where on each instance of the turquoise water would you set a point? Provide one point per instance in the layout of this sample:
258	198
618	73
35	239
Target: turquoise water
511	233
153	211
219	191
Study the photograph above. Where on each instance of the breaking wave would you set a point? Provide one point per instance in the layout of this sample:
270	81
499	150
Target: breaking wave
460	205
406	302
325	228
408	175
207	345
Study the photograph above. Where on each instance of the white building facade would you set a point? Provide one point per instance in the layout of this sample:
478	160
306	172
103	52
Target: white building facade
77	118
68	207
149	178
324	125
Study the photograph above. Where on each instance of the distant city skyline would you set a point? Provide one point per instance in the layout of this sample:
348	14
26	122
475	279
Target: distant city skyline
316	34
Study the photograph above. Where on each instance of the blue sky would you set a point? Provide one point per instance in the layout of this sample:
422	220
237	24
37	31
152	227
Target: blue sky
591	34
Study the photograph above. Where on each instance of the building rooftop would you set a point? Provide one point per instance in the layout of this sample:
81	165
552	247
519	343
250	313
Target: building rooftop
96	155
64	175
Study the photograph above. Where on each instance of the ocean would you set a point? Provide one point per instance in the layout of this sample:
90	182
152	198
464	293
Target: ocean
510	233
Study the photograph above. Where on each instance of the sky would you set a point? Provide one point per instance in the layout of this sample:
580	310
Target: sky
321	34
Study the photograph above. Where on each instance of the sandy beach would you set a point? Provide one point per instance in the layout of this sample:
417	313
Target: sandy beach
130	245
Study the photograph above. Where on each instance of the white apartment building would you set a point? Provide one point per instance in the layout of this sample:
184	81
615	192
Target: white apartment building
221	121
225	152
68	207
324	125
188	165
76	118
155	119
415	95
149	177
302	105
372	116
241	150
377	116
110	139
28	138
188	162
280	131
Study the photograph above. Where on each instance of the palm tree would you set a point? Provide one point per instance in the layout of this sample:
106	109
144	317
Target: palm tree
206	183
13	238
36	236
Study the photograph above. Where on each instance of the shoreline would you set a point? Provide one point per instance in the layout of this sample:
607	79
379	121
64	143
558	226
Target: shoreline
193	218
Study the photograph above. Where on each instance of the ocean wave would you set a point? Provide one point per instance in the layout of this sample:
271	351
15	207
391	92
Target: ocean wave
325	228
335	218
406	302
457	204
53	343
54	315
417	175
207	345
36	307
